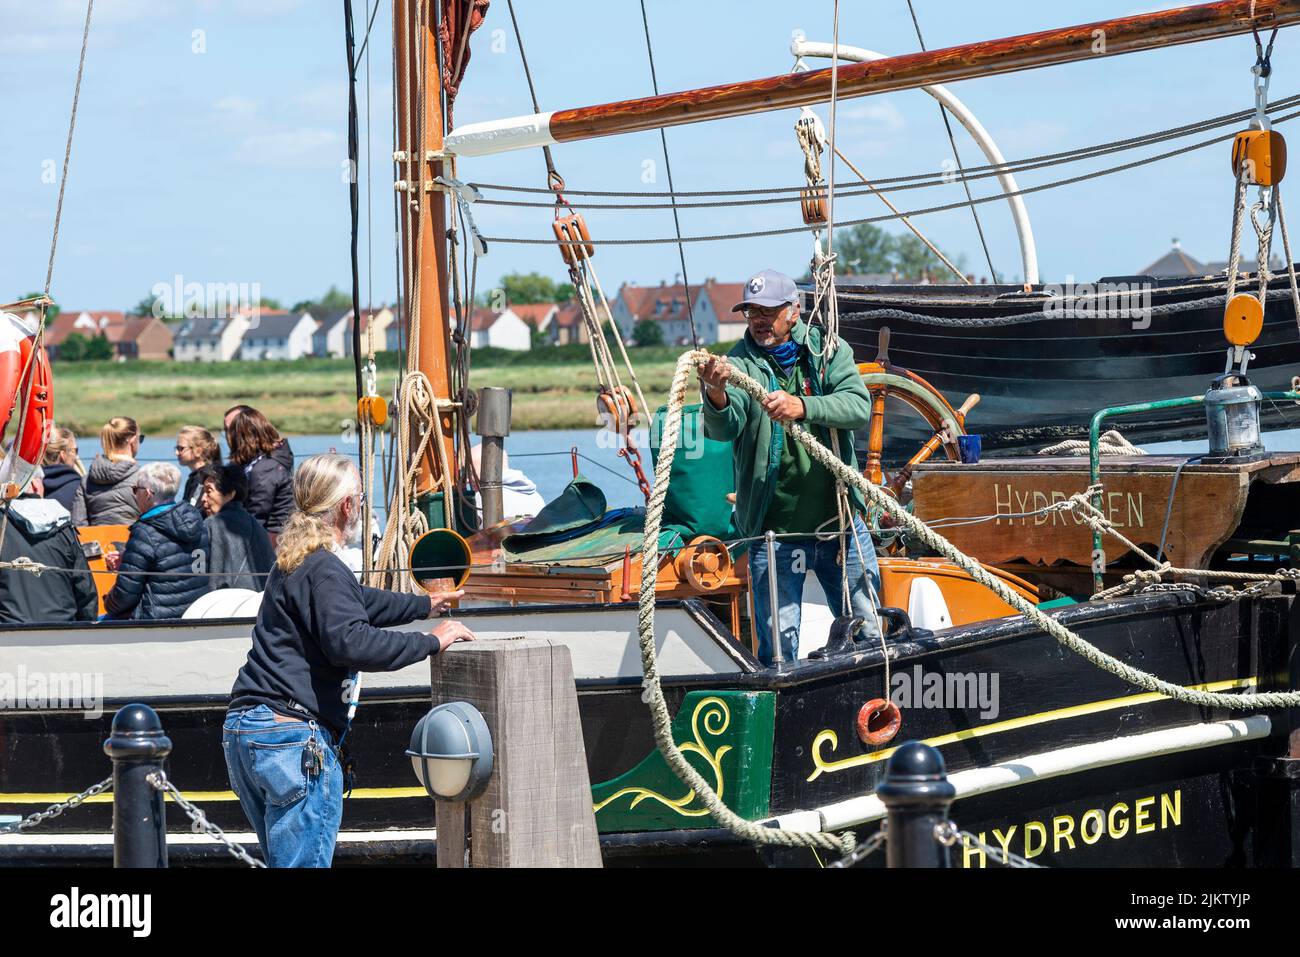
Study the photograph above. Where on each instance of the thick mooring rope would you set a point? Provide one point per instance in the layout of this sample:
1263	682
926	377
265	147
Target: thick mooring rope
653	692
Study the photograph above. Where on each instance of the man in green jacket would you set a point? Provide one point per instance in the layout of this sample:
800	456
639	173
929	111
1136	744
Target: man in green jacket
779	488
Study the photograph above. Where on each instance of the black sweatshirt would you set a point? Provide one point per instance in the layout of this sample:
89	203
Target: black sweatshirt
318	624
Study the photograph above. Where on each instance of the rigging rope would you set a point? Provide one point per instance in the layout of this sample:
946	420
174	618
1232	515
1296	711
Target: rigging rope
45	301
653	690
994	169
677	226
952	141
945	207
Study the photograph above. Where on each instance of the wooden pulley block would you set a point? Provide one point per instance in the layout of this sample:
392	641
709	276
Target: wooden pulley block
1243	319
812	205
1263	155
374	409
570	230
616	409
704	564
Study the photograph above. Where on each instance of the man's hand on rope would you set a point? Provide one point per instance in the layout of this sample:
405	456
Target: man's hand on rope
714	372
783	407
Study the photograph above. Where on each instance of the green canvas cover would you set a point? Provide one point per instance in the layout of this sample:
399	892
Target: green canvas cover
701	478
576	529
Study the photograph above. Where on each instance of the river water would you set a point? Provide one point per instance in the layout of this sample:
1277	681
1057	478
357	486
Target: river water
543	455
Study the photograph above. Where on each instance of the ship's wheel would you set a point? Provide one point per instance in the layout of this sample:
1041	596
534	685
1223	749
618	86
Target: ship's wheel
885	381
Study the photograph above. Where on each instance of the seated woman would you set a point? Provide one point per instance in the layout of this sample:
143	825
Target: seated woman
196	449
267	462
65	476
164	566
110	499
240	553
40	529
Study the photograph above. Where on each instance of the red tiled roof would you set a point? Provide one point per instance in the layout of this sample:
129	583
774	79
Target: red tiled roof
533	313
643	302
570	314
723	296
483	318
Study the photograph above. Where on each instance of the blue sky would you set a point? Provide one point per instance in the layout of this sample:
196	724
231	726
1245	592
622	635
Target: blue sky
226	165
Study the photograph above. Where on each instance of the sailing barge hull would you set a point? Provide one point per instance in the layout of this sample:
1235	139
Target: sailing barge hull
1156	782
1041	377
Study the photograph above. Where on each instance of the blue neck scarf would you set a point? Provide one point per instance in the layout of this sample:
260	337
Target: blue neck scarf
785	355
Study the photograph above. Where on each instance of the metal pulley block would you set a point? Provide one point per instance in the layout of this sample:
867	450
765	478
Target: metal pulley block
1262	154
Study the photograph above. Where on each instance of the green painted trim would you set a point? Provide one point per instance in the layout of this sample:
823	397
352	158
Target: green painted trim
727	736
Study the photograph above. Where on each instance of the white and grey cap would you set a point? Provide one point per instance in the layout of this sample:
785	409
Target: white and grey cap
768	288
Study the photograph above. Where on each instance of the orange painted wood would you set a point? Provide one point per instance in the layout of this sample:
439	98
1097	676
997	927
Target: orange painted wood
111	538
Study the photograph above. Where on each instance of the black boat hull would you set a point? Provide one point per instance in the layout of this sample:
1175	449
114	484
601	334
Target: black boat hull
1194	804
1056	372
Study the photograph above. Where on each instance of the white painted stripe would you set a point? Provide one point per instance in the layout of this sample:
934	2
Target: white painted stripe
1049	764
500	136
247	838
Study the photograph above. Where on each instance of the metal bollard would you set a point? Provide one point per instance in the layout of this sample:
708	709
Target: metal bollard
493	425
137	746
916	793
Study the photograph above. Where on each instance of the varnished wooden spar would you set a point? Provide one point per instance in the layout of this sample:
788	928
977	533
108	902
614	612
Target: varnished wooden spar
987	58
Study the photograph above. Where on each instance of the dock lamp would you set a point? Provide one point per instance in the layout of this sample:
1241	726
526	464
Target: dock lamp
451	752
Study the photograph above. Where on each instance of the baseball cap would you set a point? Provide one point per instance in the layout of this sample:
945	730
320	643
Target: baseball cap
768	288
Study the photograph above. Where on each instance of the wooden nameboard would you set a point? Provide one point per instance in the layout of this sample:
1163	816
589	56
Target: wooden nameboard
1206	510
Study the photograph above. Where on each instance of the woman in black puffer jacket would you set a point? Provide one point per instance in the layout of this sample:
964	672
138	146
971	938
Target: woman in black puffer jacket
65	476
268	464
164	566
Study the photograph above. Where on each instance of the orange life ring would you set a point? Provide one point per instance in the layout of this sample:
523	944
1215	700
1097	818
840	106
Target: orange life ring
24	379
878	722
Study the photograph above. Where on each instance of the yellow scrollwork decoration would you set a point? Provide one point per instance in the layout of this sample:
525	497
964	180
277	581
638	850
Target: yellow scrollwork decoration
711	717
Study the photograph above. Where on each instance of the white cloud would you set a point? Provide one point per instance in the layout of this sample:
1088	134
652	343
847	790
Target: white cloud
237	108
303	146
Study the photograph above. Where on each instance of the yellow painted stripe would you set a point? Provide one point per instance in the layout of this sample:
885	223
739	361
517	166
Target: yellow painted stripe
201	796
1012	724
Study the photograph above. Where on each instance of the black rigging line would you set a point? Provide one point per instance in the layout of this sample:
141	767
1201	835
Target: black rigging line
979	228
677	226
354	197
366	40
552	175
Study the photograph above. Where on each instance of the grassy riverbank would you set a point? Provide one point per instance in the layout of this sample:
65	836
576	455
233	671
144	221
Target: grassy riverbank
553	388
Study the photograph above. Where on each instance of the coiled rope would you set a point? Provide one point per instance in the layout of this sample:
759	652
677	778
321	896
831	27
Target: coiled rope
653	691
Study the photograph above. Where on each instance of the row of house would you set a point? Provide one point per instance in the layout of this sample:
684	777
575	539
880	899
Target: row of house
281	334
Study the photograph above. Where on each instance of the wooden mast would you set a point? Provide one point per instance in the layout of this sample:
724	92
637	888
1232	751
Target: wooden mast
417	69
987	58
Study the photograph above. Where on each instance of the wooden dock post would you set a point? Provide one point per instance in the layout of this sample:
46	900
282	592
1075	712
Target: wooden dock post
537	809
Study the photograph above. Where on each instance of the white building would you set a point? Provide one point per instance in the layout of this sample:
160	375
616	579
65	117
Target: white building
286	336
209	340
505	330
333	330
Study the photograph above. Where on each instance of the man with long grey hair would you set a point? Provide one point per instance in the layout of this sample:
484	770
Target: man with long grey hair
317	627
163	568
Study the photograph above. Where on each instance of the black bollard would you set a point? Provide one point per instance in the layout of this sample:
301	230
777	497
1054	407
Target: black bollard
916	792
137	746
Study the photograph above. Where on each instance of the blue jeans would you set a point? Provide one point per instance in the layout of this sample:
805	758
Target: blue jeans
794	558
296	813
